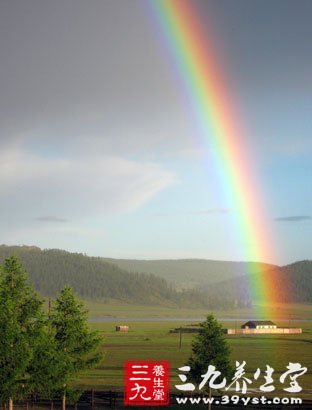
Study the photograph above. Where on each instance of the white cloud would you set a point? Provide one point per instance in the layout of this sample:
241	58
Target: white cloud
32	186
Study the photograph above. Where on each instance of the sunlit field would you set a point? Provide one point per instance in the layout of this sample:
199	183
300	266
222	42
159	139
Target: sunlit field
117	309
153	340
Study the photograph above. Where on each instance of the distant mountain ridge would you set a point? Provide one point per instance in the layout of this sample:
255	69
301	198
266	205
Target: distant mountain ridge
191	273
212	284
94	278
291	283
91	277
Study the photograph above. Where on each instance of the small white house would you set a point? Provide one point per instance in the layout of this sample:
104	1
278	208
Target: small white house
259	324
261	327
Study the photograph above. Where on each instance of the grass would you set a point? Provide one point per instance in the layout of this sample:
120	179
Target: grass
115	309
152	340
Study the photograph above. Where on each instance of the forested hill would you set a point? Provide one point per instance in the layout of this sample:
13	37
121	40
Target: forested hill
191	273
91	278
96	279
291	283
101	279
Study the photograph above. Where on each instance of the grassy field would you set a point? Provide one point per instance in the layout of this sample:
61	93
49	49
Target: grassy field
117	309
152	340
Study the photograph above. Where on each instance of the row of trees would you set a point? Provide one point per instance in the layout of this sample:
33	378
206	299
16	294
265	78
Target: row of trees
40	352
95	278
91	277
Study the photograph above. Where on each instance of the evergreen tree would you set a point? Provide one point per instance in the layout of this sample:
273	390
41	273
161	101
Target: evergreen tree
73	338
210	348
47	371
20	325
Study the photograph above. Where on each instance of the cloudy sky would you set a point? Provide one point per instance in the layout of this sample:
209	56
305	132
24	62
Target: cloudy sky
98	154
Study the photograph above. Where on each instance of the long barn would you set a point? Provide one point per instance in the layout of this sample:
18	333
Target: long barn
262	327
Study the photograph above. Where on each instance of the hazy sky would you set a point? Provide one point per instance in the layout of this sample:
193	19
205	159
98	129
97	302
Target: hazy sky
97	151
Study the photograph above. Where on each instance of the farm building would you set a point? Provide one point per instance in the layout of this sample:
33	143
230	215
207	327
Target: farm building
262	327
259	324
124	329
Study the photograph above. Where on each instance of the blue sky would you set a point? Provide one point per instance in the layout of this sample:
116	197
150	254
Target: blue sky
98	154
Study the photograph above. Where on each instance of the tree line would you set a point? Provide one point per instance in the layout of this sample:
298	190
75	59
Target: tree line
291	283
41	352
96	279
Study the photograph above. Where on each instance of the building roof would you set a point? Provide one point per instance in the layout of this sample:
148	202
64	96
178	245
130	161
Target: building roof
260	323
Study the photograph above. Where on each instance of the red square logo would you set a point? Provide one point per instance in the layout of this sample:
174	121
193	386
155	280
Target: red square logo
147	383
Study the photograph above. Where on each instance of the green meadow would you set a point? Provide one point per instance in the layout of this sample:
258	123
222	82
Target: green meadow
148	339
116	309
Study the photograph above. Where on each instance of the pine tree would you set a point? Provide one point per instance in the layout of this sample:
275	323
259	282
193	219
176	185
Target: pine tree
210	348
47	371
73	338
20	324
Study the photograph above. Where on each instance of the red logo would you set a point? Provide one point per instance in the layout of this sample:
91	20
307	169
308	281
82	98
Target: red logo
147	383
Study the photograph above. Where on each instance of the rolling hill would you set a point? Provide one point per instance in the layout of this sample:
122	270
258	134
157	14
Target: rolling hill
91	278
291	283
191	273
96	279
185	282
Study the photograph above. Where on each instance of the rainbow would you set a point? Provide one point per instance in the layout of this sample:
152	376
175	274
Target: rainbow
205	85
